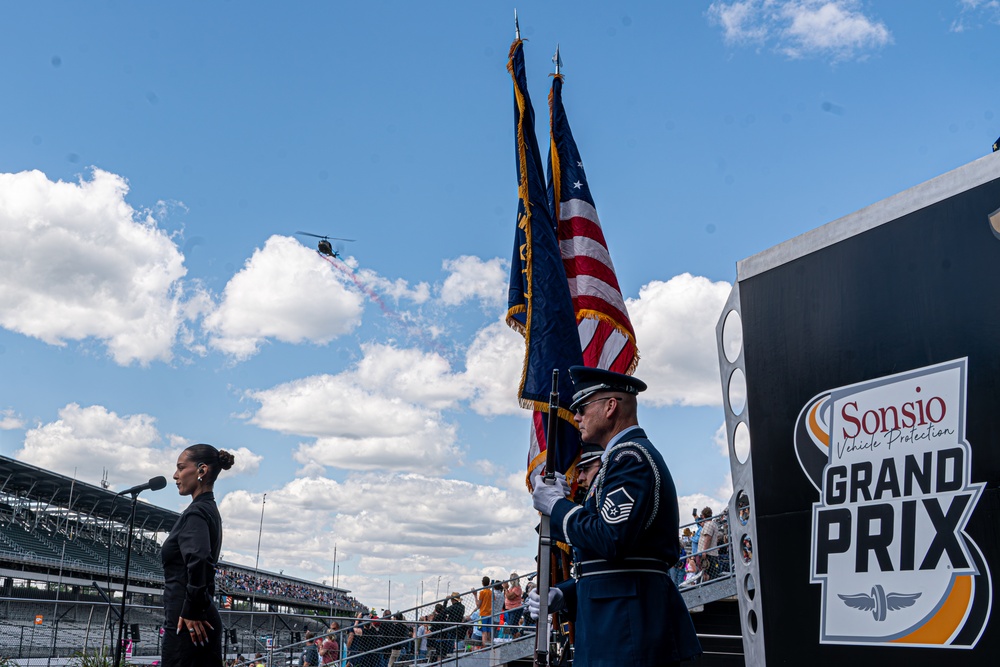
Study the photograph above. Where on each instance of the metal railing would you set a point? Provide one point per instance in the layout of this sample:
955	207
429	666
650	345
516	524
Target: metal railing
53	631
451	627
443	631
698	566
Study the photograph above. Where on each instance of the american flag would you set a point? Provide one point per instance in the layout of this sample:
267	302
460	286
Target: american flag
606	334
540	303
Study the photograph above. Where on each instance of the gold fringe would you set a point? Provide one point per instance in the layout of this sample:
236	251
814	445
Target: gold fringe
525	223
556	165
535	462
514	323
540	459
585	314
539	406
633	364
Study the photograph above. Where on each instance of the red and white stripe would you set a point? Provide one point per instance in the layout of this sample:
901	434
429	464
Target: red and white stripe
536	446
594	288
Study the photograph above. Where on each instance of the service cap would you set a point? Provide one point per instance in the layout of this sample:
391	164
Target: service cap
589	381
589	453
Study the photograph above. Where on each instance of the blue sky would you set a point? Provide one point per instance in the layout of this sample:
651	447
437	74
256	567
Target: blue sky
155	161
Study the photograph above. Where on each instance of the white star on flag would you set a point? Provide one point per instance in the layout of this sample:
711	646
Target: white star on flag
578	185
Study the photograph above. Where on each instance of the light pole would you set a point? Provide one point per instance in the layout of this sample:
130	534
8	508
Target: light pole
256	566
333	580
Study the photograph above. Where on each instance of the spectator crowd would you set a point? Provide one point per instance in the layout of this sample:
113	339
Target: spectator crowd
235	581
705	549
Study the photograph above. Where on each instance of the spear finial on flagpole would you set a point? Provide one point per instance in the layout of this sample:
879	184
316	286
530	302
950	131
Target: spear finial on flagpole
517	28
557	60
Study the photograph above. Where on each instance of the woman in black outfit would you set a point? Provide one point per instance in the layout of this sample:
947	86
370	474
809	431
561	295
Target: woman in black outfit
189	555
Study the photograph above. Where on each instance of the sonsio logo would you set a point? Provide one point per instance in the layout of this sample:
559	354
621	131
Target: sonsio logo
892	468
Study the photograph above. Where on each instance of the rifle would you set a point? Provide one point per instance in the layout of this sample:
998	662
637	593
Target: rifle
545	530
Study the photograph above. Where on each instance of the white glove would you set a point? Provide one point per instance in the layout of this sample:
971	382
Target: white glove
544	496
556	602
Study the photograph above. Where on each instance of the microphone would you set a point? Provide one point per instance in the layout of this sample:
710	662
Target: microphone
155	484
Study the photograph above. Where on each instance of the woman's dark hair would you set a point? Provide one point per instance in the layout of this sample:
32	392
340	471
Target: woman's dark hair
216	460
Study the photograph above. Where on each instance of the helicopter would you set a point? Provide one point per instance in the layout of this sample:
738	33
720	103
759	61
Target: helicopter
324	247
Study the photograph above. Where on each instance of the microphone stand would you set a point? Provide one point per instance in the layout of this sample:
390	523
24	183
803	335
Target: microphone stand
128	561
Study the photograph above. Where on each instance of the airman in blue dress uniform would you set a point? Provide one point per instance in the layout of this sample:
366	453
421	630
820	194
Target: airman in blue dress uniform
624	537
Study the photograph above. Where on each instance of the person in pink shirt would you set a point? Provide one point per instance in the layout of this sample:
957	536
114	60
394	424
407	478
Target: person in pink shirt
329	650
513	600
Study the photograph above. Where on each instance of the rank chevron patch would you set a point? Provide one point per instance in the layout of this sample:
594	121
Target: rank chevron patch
617	506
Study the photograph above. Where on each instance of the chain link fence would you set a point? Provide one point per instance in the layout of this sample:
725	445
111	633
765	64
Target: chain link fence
707	552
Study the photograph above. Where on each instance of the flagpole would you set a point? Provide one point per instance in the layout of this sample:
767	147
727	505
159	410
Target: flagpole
517	28
542	625
557	60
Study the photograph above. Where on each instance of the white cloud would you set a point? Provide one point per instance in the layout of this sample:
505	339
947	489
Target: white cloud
721	440
9	420
79	262
973	12
675	329
725	490
386	525
410	374
246	462
87	441
398	289
283	292
385	413
334	405
493	365
699	501
833	29
430	448
472	278
740	21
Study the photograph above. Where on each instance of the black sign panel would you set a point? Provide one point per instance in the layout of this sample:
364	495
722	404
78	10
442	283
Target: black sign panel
873	377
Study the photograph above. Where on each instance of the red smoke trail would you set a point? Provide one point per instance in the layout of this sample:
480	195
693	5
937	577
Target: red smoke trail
346	270
415	331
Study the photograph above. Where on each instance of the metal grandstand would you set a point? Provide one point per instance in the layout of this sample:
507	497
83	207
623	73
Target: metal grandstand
59	537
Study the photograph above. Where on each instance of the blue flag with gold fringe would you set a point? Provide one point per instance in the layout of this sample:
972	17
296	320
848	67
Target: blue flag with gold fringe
539	303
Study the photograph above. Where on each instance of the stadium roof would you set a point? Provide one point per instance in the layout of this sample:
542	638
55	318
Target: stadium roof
22	479
55	490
